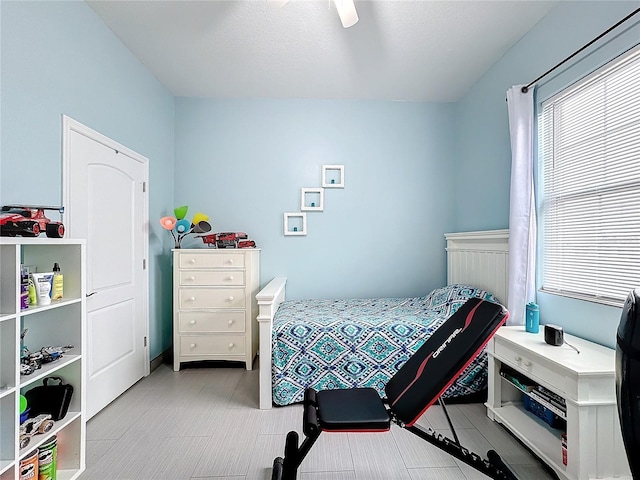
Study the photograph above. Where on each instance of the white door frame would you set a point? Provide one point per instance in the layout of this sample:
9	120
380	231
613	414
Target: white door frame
70	125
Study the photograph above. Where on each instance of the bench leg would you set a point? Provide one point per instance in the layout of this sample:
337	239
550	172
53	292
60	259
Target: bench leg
287	468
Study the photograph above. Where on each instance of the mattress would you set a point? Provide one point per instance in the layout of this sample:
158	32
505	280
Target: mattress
355	343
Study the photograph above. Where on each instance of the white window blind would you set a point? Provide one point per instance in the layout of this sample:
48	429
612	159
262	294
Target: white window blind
589	152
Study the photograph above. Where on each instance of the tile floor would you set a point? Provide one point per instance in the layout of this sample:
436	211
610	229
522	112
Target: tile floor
204	423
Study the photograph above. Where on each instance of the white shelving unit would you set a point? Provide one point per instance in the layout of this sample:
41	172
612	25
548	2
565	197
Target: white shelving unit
586	381
60	323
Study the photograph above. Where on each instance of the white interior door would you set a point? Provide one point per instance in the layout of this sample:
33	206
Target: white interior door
106	203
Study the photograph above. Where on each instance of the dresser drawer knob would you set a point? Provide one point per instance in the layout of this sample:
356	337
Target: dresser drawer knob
192	322
231	345
231	322
192	299
193	345
192	261
518	359
527	363
230	298
230	278
191	278
230	261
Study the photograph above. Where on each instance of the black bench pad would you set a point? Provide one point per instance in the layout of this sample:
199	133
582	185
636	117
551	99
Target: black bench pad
352	410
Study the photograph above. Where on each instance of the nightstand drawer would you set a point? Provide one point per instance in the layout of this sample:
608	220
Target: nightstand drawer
208	322
216	277
533	366
203	260
212	345
190	298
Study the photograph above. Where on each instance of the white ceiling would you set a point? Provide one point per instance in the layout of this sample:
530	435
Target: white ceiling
416	50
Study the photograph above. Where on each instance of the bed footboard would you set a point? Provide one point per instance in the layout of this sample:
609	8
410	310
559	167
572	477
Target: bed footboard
269	299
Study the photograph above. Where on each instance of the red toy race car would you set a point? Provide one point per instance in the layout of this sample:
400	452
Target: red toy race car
29	221
228	240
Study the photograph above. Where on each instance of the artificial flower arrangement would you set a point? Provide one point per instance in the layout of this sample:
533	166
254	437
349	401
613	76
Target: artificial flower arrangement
180	227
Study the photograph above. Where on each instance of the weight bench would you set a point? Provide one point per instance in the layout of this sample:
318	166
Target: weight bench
414	388
628	379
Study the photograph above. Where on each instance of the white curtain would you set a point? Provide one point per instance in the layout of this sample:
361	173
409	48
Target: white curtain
522	212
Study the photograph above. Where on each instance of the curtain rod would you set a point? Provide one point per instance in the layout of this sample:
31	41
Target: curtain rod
525	89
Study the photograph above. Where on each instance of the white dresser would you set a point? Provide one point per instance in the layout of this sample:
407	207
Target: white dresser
214	305
586	382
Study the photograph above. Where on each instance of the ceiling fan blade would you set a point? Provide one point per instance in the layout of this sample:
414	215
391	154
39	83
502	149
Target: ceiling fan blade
347	12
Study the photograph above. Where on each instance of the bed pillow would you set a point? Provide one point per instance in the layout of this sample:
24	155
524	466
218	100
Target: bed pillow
446	300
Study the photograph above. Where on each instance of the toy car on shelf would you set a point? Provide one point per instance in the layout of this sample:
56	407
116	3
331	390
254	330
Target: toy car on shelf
31	361
32	426
228	240
29	221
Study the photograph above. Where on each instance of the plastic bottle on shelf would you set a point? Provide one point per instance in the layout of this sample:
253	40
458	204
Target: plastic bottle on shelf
57	287
24	288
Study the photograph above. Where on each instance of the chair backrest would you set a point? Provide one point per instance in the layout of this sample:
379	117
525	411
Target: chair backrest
628	378
441	359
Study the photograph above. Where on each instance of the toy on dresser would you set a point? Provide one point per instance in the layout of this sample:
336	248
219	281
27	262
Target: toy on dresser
228	240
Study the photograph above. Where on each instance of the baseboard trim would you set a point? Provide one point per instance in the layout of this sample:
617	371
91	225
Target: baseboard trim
164	357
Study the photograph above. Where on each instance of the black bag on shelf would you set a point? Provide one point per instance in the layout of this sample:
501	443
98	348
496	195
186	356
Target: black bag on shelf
52	399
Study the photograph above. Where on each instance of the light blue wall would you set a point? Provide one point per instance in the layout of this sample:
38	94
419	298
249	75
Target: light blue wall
59	58
484	153
244	161
413	171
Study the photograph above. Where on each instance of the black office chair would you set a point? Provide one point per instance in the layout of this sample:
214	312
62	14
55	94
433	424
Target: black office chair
628	379
413	389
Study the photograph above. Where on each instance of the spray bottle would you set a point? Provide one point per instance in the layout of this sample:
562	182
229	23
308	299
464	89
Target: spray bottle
58	283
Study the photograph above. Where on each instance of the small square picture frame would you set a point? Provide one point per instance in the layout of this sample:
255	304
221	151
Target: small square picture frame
295	223
333	176
312	199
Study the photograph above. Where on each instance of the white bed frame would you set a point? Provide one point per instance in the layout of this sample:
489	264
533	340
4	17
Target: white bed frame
479	259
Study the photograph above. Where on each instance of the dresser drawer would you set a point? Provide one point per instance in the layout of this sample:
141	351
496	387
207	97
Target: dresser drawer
216	277
210	322
203	260
212	345
191	298
534	367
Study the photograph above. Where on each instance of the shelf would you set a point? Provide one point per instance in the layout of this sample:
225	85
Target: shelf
6	391
538	399
5	465
537	435
295	223
43	308
48	369
67	474
39	439
333	176
58	324
312	199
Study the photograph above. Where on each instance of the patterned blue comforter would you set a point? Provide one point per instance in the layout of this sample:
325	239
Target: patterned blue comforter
327	344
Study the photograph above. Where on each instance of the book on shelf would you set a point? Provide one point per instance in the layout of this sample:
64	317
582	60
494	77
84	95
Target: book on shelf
540	398
551	396
516	379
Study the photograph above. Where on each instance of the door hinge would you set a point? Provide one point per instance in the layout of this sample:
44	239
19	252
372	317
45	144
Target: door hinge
144	187
144	263
145	341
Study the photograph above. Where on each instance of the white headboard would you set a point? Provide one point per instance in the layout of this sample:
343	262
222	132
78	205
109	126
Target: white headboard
480	259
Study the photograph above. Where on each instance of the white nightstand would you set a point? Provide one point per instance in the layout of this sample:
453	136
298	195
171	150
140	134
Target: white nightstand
587	383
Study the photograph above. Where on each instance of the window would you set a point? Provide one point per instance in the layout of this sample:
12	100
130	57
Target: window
589	178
